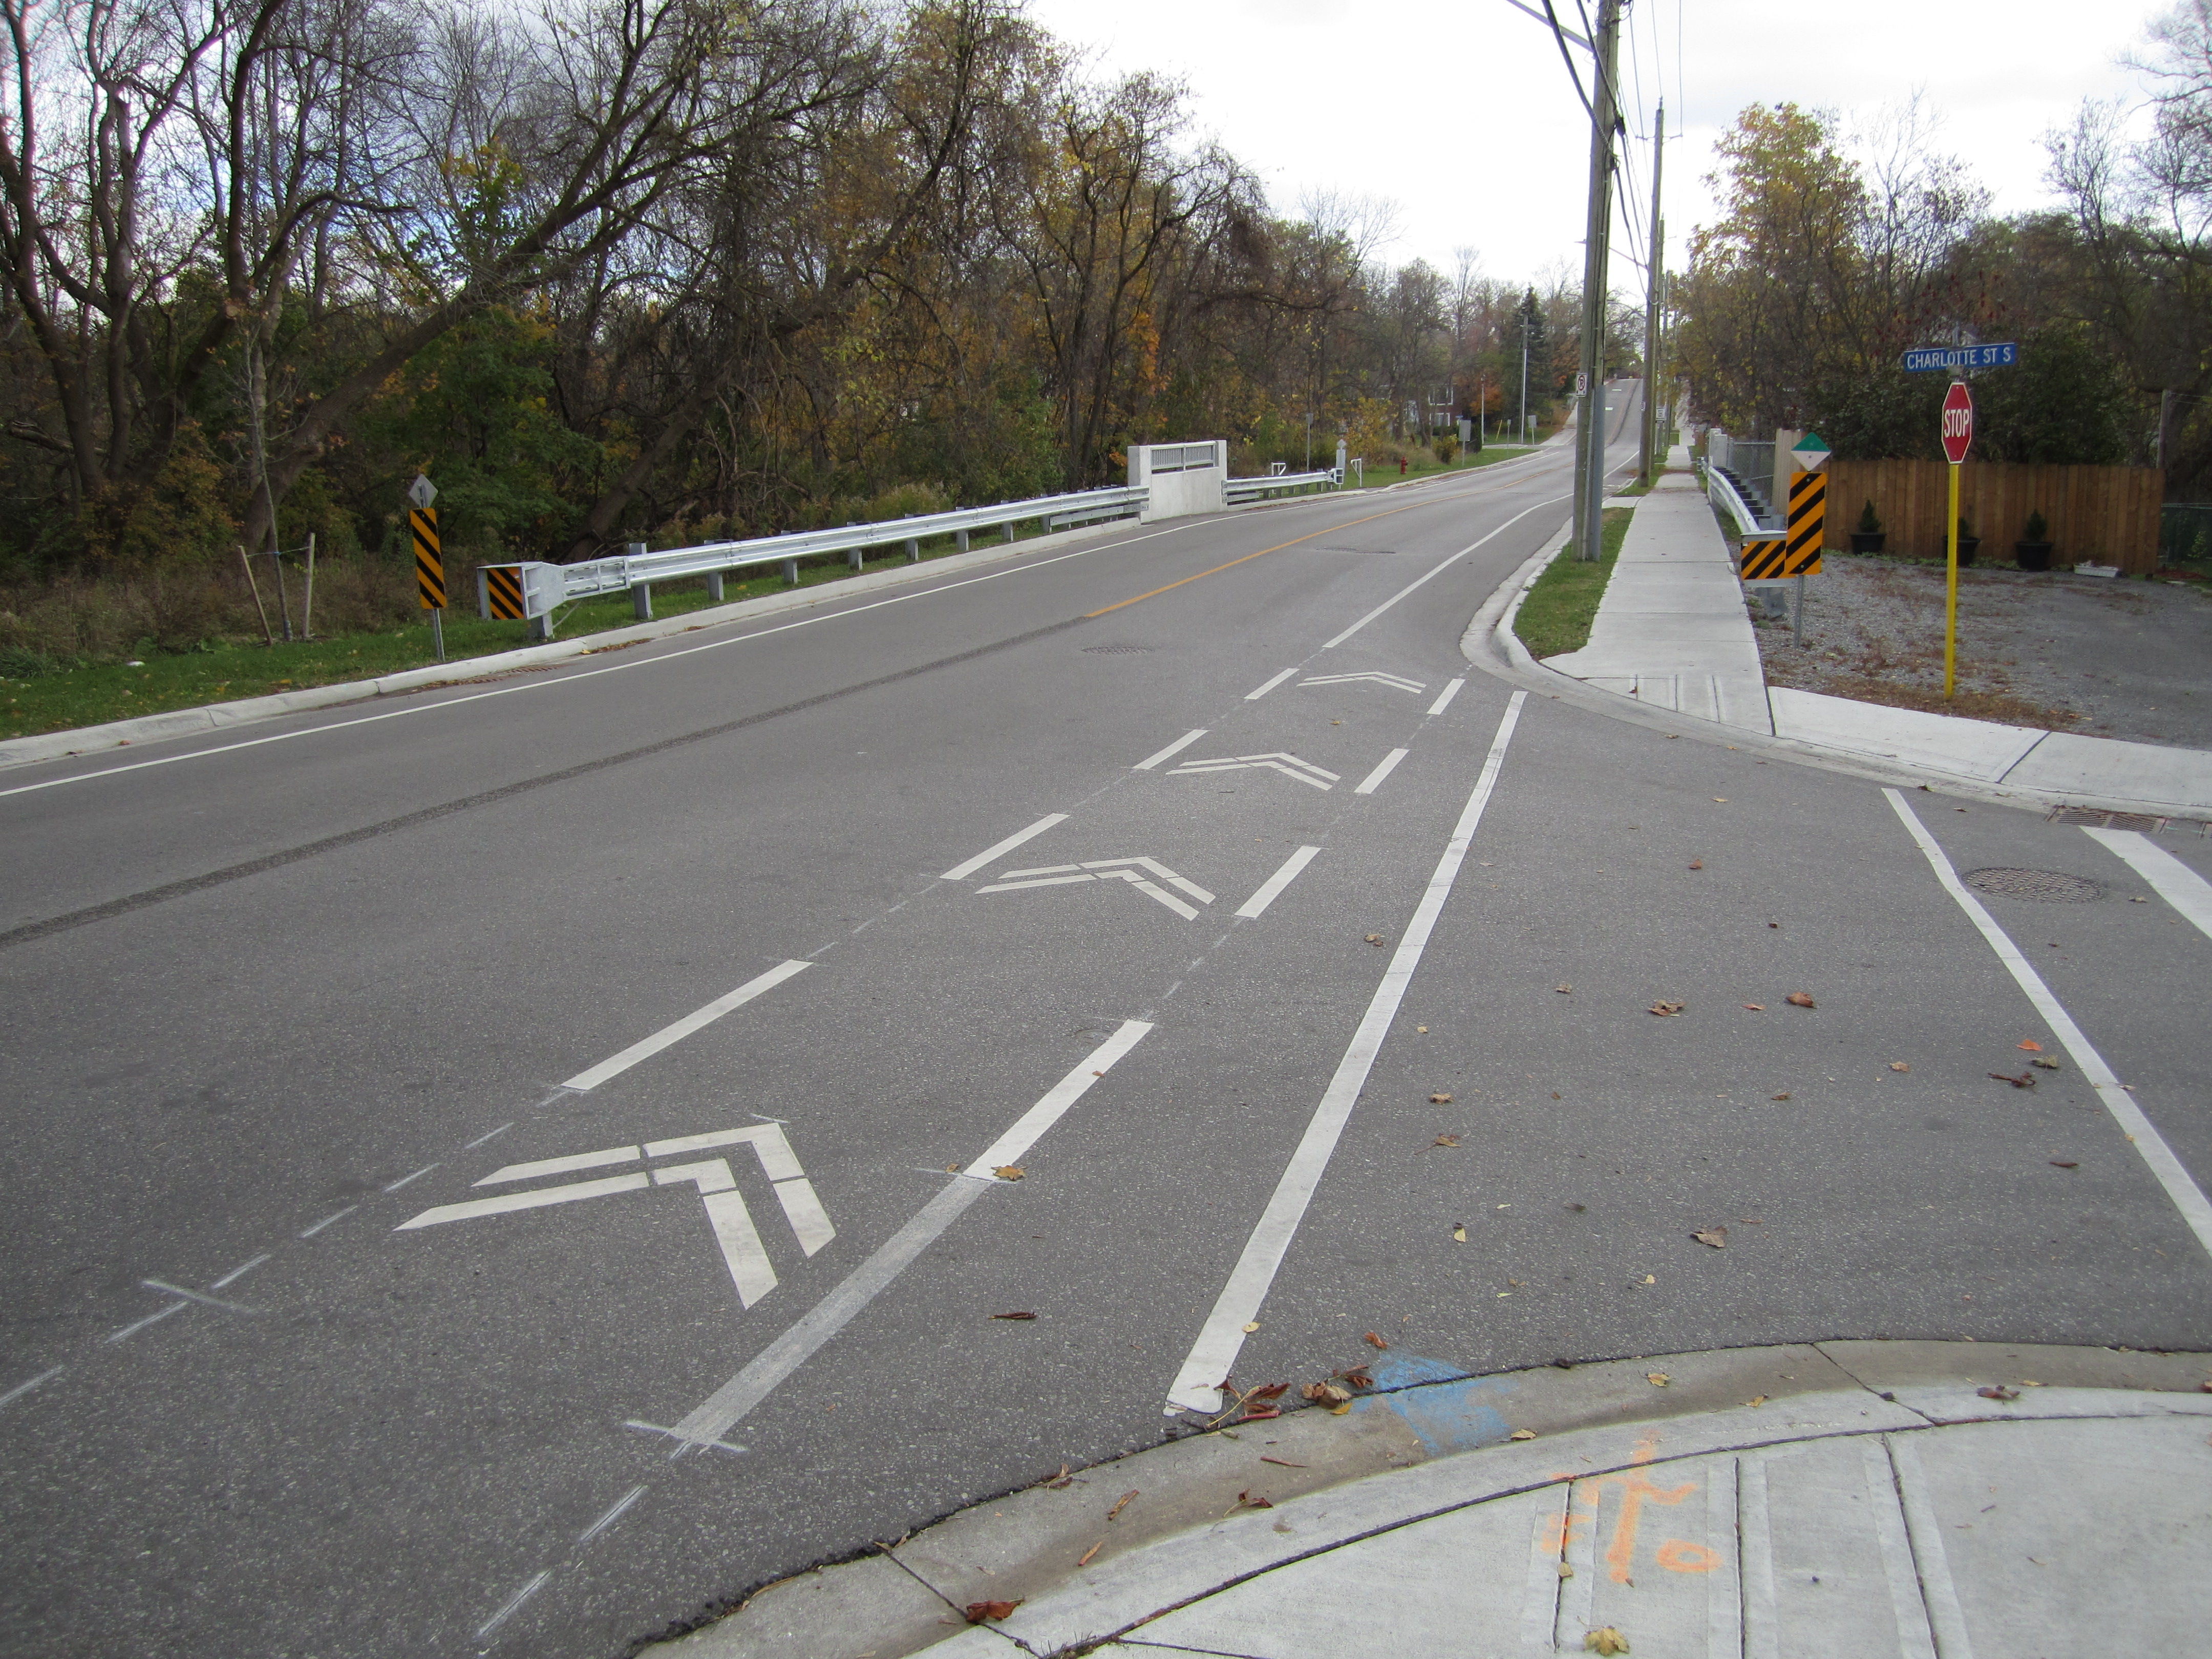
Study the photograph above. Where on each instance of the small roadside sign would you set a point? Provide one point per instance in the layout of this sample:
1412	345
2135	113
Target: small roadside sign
1953	358
422	492
1811	453
1582	385
1957	423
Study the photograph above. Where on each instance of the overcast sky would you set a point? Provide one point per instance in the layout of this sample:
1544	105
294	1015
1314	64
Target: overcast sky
1462	113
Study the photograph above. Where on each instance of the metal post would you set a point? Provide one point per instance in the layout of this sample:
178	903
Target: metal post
1524	379
961	537
1800	613
1950	591
1590	446
308	605
438	633
791	572
913	551
714	587
1650	445
1007	530
857	557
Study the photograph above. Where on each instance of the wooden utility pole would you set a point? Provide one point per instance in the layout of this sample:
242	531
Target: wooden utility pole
1590	447
1652	275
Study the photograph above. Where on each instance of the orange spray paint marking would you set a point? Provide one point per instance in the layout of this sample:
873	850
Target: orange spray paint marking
1635	1487
1676	1556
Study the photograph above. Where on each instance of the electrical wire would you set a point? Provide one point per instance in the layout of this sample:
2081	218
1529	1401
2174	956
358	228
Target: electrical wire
1559	35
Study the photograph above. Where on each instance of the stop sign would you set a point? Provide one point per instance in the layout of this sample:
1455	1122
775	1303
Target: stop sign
1958	421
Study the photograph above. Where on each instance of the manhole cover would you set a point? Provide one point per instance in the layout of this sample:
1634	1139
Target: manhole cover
2043	886
1116	650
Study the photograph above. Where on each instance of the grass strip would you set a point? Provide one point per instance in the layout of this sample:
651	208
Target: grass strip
1556	614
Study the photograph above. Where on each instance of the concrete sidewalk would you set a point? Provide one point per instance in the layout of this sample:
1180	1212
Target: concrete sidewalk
1852	1499
1673	632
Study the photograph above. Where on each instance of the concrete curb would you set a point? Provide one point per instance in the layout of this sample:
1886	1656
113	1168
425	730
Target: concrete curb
469	670
1490	644
1429	1438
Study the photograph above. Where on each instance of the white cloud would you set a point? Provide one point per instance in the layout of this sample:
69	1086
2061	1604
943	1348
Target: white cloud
1463	113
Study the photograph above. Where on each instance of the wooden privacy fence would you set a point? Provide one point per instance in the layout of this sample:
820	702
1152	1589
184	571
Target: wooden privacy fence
2108	515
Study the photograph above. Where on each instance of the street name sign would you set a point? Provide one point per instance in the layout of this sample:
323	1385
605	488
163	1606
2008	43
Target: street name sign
1954	358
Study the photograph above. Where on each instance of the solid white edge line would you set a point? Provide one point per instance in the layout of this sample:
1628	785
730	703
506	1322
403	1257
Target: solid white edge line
1175	748
1373	780
1445	701
461	666
729	1404
1222	1337
2150	1145
1271	889
2175	882
615	1065
1331	644
22	1388
1254	696
962	871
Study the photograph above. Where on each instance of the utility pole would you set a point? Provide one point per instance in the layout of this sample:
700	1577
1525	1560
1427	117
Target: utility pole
1524	379
1590	447
1652	278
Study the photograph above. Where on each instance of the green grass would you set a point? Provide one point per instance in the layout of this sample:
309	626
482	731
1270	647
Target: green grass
1556	616
222	671
1425	465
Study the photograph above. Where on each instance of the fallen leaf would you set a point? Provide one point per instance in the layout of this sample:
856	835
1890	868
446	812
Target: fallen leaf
1008	1172
1556	1095
2025	1080
1358	1377
1715	1238
1799	998
1374	939
1657	1379
1524	1434
1375	1341
1439	1100
2029	1383
952	1169
2032	1045
979	1611
1648	1280
1098	1075
1697	864
2063	1163
2000	1392
1898	1066
1784	1096
1564	990
1720	800
1774	924
2044	1062
1445	1140
1339	1410
1014	1315
1252	1500
1325	1394
1125	1499
1667	1009
1422	1028
1756	1400
1252	1327
1578	1209
1260	1414
1089	1553
1282	1461
1755	1007
1272	1391
1608	1640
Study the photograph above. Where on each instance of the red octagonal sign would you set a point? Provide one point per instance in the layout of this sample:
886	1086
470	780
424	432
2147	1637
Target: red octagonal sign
1958	421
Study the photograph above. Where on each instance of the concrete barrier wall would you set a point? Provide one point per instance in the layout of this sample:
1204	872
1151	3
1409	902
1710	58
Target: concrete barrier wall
2102	514
1184	478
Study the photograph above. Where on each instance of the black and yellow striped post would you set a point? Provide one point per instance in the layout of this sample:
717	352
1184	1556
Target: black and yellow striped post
429	558
1808	522
499	592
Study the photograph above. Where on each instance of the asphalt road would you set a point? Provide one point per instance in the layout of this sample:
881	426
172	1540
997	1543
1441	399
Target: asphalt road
269	1004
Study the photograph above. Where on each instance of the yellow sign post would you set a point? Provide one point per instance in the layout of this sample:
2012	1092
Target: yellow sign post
429	558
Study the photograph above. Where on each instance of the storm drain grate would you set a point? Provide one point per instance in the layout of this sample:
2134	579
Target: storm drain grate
2040	886
1116	650
2144	821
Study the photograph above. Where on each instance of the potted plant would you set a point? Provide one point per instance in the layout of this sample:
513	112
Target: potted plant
2033	550
1969	543
1868	537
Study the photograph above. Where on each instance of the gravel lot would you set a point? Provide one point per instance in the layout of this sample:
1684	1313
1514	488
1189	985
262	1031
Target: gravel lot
2108	657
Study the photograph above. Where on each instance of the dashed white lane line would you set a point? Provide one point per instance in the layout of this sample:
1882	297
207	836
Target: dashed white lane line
1271	889
406	1180
1171	751
22	1388
1419	580
128	1331
1373	780
961	871
2175	882
1254	695
513	1604
1445	701
614	1065
239	1272
338	1216
621	1507
1222	1337
729	1404
2150	1145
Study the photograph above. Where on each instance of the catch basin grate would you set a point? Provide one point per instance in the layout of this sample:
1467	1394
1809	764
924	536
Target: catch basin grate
2038	886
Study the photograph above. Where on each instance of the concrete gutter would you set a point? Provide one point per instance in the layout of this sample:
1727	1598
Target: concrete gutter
1428	1438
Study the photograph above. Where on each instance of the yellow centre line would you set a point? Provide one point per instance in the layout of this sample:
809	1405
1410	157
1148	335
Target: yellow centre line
1263	552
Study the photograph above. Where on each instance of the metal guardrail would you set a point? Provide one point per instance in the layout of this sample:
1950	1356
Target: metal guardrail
1723	494
1236	490
639	570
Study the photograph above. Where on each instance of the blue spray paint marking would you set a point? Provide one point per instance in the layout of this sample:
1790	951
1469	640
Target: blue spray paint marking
1448	1410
